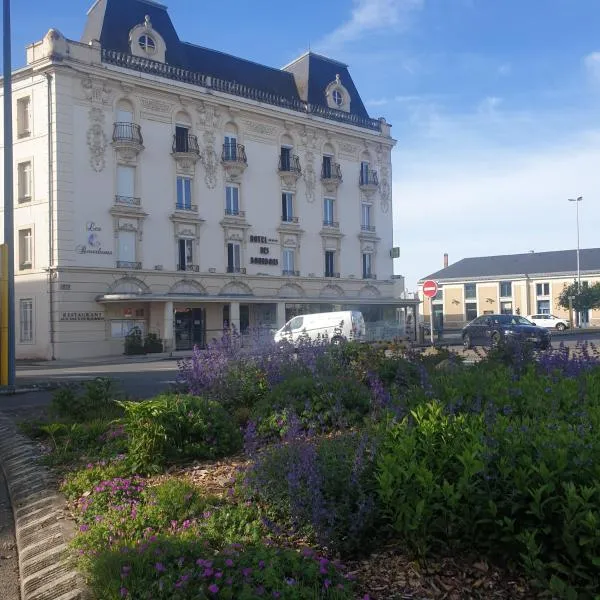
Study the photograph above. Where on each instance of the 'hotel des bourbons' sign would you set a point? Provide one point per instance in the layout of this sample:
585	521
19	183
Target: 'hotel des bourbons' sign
263	250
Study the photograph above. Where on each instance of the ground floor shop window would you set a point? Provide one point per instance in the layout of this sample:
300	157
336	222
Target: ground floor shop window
121	328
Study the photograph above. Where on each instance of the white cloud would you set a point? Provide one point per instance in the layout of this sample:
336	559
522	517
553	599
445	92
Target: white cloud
377	102
592	64
476	187
369	16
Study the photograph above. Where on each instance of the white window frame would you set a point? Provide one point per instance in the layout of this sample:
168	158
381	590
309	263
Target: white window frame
125	187
237	257
288	260
230	142
26	321
185	185
25	248
24	117
188	255
367	265
333	262
287	200
25	181
232	199
543	285
329	218
121	235
365	215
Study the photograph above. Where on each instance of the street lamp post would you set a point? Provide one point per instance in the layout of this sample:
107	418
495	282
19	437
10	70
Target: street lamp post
577	201
9	234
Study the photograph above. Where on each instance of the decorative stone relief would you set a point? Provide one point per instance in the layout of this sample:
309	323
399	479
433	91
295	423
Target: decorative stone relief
97	140
95	91
261	129
155	105
310	177
348	150
208	116
210	160
384	189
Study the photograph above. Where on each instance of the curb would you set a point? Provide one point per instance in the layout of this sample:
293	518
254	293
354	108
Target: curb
41	529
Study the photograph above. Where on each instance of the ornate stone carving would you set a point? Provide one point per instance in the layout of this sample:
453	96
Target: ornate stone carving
155	105
208	116
95	91
348	149
261	129
97	140
310	177
384	190
210	160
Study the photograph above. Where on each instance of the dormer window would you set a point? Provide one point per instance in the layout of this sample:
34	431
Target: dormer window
337	95
147	44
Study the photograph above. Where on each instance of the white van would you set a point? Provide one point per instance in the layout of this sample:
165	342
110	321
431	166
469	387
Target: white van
334	326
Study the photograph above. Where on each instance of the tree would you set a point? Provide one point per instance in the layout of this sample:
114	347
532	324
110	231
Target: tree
587	298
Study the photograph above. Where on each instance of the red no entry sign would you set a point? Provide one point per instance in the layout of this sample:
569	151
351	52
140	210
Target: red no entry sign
430	288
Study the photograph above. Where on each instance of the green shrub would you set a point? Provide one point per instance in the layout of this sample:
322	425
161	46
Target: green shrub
97	400
77	483
242	386
171	429
134	342
152	344
324	488
319	404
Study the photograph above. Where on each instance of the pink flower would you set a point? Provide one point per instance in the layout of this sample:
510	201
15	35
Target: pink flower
213	588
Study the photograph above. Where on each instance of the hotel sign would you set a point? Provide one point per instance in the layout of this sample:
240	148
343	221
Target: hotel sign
82	316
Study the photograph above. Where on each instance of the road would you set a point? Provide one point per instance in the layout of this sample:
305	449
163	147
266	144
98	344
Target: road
150	377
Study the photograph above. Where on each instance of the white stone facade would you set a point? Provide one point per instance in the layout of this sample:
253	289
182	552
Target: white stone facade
127	218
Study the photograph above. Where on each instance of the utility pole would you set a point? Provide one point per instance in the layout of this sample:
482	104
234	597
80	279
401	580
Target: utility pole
9	228
577	201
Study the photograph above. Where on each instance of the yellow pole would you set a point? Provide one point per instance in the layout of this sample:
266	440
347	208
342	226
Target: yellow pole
3	314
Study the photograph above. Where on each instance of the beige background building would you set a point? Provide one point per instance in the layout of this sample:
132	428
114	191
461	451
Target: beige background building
524	284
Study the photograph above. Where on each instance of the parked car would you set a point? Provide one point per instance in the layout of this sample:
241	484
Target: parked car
489	330
549	322
335	326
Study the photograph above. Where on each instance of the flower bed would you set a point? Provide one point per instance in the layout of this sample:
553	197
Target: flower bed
350	450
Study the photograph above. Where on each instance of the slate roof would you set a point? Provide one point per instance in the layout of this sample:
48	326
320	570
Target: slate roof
321	71
531	263
118	17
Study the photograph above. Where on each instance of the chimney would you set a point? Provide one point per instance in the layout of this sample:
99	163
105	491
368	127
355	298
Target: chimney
445	260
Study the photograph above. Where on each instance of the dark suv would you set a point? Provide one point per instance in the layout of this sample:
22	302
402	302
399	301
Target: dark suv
490	330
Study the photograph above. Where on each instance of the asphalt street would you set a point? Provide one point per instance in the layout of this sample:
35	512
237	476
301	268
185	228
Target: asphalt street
147	378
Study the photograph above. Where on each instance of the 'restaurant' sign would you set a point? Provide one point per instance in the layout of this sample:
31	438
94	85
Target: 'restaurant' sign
82	316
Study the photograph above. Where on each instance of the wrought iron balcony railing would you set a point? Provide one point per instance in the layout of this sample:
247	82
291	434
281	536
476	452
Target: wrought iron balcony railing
127	200
234	212
289	219
332	224
289	164
369	178
234	153
187	267
332	274
369	276
370	228
127	132
152	67
185	144
290	273
331	171
186	207
233	269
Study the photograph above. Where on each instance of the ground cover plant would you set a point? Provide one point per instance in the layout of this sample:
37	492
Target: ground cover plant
351	449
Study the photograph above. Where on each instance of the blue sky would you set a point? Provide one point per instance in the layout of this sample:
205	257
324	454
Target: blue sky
495	105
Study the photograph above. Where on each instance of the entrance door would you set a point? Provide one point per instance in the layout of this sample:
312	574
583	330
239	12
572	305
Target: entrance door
190	328
438	317
244	318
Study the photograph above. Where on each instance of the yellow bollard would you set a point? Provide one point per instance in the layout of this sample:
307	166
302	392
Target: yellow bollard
3	314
